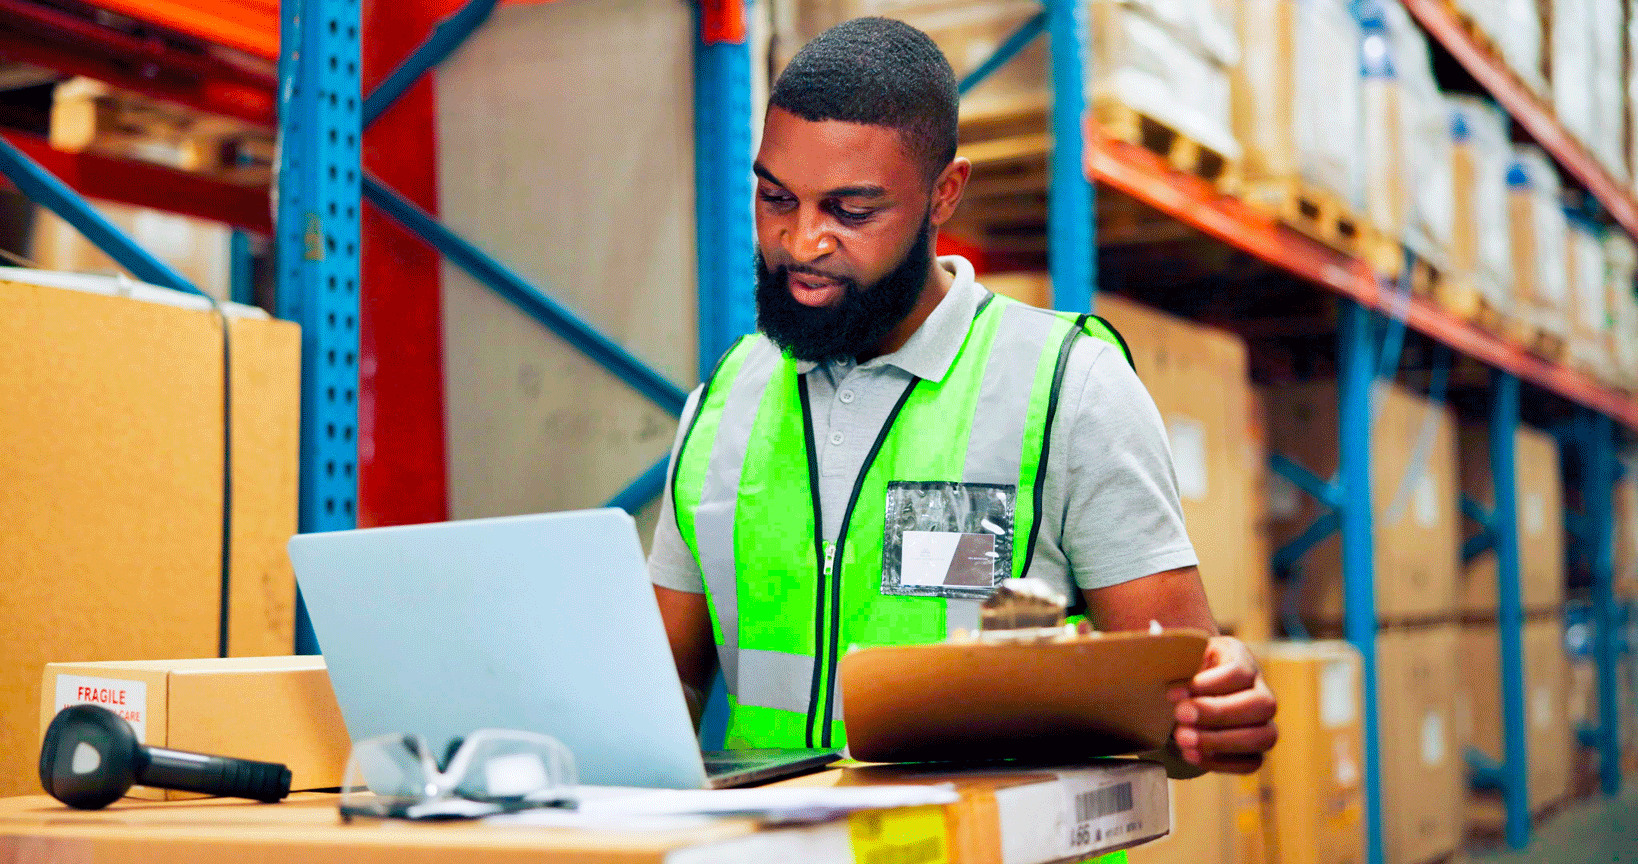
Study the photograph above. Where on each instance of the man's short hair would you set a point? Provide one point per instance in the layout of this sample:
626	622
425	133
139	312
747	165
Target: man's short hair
879	72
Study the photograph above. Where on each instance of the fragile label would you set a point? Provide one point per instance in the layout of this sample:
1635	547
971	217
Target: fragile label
128	699
1102	813
1188	439
910	835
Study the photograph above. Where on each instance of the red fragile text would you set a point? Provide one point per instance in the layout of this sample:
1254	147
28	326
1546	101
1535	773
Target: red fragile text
100	696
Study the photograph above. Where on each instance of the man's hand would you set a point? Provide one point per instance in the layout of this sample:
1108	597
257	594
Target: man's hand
1225	716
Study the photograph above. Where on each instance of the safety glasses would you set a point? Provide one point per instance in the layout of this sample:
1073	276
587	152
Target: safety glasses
491	771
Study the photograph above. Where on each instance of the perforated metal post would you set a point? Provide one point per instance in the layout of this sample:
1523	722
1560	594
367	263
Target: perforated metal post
1072	252
317	252
1504	421
1357	376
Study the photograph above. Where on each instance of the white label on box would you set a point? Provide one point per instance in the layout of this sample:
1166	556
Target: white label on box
1188	457
1541	707
1347	773
128	699
1102	810
1337	697
1283	500
1535	513
1426	502
1433	739
1083	812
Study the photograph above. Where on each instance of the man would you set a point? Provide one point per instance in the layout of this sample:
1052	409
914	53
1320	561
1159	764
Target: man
897	441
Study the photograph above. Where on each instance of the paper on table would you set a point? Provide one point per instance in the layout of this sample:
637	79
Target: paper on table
776	804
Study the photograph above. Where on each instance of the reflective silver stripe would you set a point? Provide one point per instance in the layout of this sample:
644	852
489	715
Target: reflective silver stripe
714	517
994	448
960	615
774	679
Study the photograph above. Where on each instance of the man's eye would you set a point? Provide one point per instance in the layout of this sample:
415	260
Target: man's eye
853	215
775	198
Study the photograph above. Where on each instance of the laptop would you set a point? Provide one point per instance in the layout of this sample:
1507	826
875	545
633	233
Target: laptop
543	623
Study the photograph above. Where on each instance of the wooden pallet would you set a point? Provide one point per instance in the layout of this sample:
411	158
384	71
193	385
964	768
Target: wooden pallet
1548	345
1315	212
1464	300
1125	123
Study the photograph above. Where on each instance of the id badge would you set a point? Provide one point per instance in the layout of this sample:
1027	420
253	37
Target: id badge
947	539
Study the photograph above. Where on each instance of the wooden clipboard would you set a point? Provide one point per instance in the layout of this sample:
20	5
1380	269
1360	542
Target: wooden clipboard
1061	700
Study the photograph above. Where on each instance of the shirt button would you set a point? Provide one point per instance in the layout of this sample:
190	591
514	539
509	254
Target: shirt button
846	396
836	438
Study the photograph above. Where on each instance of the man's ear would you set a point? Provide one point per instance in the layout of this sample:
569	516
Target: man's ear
947	189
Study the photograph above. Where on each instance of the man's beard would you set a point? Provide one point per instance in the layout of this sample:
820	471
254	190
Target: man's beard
851	326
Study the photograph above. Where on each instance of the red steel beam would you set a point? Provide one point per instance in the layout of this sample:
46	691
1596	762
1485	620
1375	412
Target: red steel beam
1529	110
1148	178
146	185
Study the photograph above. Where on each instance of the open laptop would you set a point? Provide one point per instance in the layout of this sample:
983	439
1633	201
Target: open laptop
542	623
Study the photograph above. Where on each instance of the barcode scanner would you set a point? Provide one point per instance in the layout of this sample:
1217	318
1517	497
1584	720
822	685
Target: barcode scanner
91	757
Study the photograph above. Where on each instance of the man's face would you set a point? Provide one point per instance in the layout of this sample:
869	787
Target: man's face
843	234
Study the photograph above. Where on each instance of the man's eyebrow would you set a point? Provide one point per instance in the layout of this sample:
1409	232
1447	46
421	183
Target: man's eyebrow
860	191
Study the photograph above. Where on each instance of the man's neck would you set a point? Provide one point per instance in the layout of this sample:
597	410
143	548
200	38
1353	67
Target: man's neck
933	291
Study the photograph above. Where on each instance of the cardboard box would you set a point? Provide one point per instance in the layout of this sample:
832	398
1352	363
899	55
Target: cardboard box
1423	773
1481	151
1413	495
271	709
1539	492
1315	772
1252	834
111	461
1626	535
1538	230
1216	819
1200	381
1547	696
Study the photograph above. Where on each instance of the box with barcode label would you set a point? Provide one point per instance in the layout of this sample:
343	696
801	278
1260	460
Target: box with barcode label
272	709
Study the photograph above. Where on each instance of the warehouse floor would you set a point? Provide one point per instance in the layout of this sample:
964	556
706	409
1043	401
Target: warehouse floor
1592	832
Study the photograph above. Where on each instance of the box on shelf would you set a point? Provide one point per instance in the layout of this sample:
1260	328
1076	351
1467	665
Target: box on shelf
112	455
271	709
1199	379
1586	273
1539	493
1609	74
1297	95
1413	475
1425	126
1546	686
1537	227
1384	120
1572	58
1621	323
1519	35
1315	772
1625	536
1481	153
1143	65
1423	772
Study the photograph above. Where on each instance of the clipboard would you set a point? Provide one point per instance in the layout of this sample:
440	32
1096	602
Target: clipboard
1079	697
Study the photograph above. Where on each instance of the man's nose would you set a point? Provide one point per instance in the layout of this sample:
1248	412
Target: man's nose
809	239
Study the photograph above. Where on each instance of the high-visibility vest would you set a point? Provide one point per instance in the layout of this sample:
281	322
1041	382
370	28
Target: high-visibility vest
785	602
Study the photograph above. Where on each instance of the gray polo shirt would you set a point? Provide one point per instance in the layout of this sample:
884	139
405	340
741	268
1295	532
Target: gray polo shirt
1109	505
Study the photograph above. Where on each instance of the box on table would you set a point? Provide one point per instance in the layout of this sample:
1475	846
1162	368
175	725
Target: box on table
1539	492
1413	496
271	709
1316	771
1423	771
1546	686
111	460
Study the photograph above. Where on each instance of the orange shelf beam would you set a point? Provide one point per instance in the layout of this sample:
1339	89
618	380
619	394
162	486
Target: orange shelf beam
1146	177
1529	110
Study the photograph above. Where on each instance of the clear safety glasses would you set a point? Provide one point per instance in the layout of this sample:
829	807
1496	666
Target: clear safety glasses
491	771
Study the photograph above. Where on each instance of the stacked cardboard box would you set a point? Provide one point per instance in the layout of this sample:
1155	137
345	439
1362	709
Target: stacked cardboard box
1537	228
1588	66
1481	257
1199	380
1515	27
1539	495
1216	819
111	457
1316	771
1424	123
1621	258
1423	773
1413	476
1586	275
1547	697
1625	537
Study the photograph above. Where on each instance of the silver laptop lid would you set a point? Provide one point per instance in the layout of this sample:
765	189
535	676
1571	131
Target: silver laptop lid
544	623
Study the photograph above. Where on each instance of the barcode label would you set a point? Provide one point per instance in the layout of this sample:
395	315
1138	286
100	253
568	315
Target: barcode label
1097	803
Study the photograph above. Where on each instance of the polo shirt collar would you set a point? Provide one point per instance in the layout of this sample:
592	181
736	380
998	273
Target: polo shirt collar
933	347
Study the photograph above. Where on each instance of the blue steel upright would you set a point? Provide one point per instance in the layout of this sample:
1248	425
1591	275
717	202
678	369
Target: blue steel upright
317	252
1598	486
1504	538
1072	253
723	218
1357	364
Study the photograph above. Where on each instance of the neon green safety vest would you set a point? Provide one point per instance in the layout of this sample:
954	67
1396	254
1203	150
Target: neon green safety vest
785	602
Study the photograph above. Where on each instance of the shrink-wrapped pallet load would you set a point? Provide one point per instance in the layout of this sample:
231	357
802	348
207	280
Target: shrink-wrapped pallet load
1384	159
1149	59
1481	255
1607	68
1622	258
1297	95
1519	36
1586	275
1537	229
1425	125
